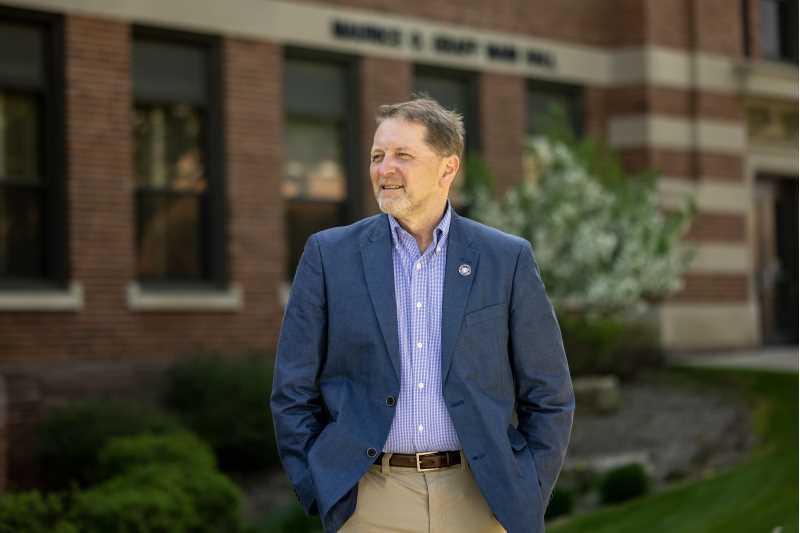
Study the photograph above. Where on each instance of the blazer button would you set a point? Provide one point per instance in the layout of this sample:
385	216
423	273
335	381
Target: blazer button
372	452
390	401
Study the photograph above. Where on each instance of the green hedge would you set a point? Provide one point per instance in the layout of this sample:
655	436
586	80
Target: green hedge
561	503
180	495
30	512
70	438
226	402
624	483
290	519
183	449
602	345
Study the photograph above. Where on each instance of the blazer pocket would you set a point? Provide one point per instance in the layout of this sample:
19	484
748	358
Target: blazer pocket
486	313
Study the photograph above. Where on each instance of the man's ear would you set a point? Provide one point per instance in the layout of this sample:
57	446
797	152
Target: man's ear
449	169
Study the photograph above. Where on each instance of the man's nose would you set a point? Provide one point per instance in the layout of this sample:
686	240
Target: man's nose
387	167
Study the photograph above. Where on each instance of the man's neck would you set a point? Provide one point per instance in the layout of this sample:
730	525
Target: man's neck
421	226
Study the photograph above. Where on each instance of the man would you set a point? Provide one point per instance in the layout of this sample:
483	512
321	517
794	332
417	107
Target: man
411	341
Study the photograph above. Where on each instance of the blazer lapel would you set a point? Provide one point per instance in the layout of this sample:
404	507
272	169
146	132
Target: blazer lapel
460	270
376	255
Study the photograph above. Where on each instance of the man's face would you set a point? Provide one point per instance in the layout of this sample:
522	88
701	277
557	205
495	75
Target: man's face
408	176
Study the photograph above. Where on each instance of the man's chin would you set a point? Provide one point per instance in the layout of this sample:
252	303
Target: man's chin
392	206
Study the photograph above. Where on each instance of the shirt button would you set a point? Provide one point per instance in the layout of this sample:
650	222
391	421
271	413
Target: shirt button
419	305
372	452
420	428
390	401
419	345
419	265
438	249
421	385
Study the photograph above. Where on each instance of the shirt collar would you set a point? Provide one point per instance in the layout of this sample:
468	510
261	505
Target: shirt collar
440	232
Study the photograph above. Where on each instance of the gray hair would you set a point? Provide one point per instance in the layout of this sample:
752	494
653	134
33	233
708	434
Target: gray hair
444	128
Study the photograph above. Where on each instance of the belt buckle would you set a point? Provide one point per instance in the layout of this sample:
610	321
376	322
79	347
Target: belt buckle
419	467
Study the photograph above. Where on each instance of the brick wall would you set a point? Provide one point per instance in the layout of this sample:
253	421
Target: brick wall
502	98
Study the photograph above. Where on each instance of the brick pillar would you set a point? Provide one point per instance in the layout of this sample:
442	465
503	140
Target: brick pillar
383	81
253	105
502	119
3	434
100	174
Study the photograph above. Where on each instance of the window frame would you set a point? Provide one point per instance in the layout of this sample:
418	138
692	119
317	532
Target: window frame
576	94
349	129
213	220
472	130
55	233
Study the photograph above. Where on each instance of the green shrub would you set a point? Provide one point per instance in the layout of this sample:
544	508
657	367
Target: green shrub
624	483
183	449
159	498
30	512
143	501
290	519
603	345
226	402
561	503
71	437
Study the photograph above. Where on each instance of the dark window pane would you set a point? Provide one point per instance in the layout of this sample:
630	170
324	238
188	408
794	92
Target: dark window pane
19	137
315	89
548	106
168	237
450	92
168	147
454	93
21	54
304	219
21	239
314	161
166	72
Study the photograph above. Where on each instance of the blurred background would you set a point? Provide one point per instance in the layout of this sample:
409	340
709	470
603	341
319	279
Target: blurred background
163	163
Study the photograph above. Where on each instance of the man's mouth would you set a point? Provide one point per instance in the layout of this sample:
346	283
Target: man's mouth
391	187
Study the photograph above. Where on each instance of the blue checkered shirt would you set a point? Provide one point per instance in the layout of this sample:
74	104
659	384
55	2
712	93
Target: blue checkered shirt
421	421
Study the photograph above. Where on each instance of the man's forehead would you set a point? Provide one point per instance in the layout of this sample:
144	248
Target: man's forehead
398	133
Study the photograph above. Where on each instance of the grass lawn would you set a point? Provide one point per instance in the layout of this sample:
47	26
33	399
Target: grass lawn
758	495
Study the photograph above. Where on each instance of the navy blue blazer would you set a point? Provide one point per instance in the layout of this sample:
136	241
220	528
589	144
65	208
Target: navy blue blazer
337	369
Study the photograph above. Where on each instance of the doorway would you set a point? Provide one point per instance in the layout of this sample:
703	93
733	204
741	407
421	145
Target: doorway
776	257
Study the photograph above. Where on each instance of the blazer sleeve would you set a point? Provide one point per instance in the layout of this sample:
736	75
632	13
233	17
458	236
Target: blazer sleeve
298	412
545	398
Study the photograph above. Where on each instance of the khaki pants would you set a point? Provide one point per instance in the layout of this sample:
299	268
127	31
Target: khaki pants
402	500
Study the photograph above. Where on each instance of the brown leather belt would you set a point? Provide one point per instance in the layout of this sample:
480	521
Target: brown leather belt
423	461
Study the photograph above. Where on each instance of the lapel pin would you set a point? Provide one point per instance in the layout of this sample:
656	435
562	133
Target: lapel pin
465	270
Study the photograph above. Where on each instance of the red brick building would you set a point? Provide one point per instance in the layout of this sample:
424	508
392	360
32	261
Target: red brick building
161	166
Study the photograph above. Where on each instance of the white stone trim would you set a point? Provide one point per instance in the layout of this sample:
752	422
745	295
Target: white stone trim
308	24
771	160
686	326
140	299
709	195
633	131
45	300
719	258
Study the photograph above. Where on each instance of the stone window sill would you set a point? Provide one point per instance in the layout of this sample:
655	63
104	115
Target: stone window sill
199	300
43	300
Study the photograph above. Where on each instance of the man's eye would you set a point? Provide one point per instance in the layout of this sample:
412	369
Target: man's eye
376	157
405	156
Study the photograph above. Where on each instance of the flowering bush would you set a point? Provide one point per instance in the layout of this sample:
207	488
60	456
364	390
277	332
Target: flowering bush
601	240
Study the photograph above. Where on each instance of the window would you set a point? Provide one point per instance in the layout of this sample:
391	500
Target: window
319	181
551	106
33	243
177	158
778	30
549	103
455	90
